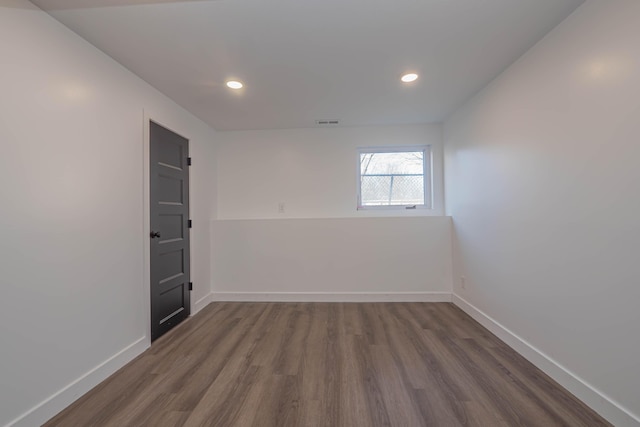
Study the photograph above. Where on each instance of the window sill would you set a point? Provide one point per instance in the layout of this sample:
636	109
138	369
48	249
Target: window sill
395	208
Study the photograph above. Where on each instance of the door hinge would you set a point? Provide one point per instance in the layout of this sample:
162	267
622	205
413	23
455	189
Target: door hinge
188	161
190	224
190	286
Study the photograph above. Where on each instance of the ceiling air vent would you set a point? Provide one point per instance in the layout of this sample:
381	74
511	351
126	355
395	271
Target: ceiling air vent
328	122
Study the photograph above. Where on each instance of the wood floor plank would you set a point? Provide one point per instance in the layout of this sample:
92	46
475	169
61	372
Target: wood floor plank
312	366
430	400
396	396
212	361
464	372
276	408
518	407
291	343
355	411
332	371
572	411
352	324
328	364
372	393
246	413
441	371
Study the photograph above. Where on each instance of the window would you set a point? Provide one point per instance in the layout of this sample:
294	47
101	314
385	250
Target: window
394	177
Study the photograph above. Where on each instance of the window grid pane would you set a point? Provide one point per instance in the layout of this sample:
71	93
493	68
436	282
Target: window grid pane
392	178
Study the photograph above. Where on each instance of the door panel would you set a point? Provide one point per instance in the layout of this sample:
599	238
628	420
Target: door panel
170	189
169	210
171	226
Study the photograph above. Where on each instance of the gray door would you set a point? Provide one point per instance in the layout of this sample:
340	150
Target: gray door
169	198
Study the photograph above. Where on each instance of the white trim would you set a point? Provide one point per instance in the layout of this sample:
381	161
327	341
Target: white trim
55	403
393	148
599	402
146	226
202	303
332	296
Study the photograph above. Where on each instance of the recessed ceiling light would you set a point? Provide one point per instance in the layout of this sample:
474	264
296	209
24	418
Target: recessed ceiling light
234	84
408	78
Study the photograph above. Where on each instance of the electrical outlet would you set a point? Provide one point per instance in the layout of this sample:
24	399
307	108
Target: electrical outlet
463	282
281	207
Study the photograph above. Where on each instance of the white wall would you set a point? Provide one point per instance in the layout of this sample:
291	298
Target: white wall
312	171
322	248
72	225
542	183
341	259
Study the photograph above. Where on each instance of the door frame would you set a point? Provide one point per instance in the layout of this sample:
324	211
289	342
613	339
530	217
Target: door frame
170	124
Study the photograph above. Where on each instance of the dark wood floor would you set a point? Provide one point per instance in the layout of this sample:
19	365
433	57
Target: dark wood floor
312	364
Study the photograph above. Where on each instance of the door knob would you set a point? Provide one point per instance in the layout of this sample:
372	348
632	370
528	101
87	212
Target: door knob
155	234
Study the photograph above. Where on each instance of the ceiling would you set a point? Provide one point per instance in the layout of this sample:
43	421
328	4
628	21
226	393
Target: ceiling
306	60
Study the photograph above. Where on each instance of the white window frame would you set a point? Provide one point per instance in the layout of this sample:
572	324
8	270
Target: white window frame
427	175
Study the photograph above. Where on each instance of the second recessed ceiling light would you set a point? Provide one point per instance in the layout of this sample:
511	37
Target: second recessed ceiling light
408	78
234	84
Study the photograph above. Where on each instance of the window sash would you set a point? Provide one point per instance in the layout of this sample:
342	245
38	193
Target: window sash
426	181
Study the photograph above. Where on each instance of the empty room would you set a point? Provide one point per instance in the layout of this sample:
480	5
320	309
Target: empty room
320	213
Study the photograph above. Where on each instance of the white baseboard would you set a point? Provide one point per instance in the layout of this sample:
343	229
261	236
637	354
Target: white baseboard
603	405
55	403
202	303
333	296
